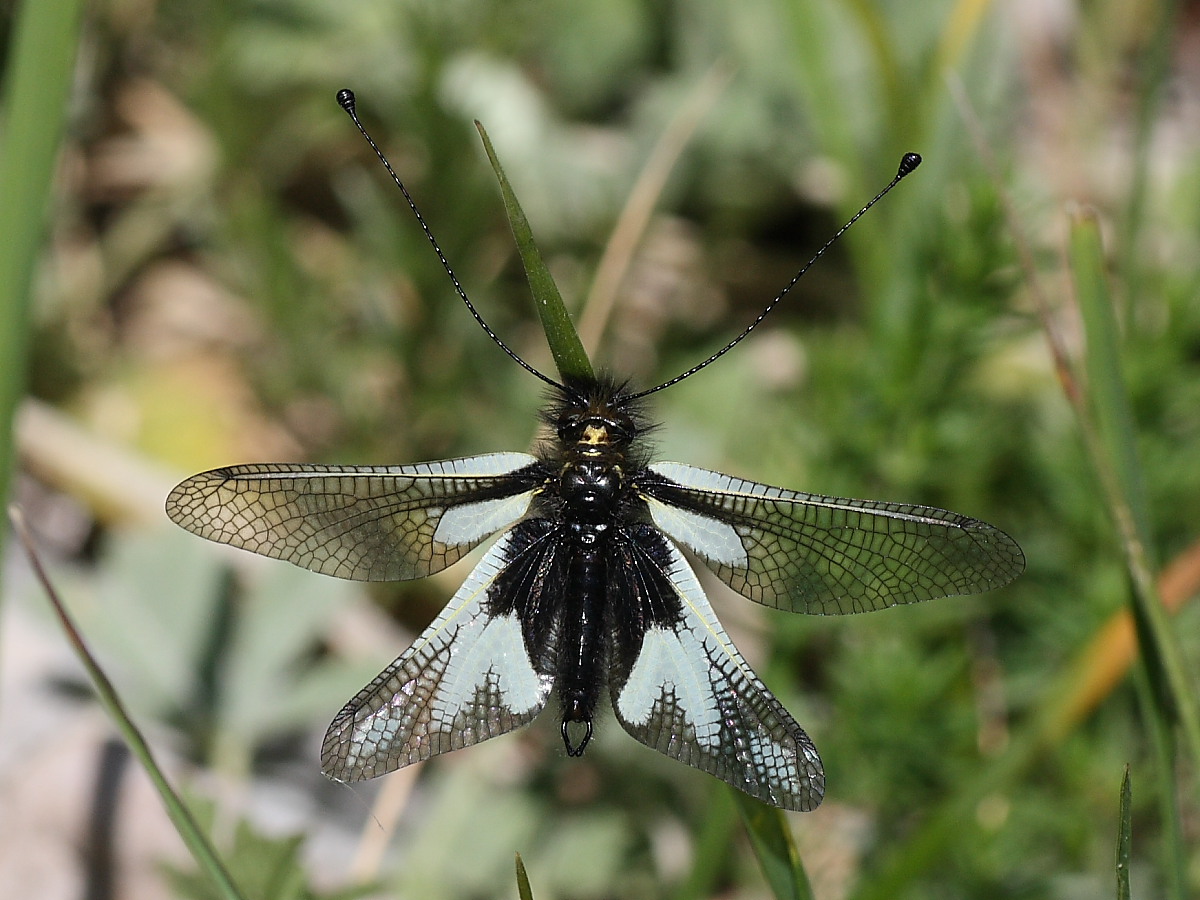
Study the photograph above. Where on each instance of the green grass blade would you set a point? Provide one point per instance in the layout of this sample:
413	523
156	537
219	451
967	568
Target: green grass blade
524	891
569	356
37	86
204	853
1119	468
1124	838
1165	693
1102	360
774	848
1160	737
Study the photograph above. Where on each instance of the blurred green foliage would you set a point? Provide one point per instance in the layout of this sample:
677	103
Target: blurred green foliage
232	277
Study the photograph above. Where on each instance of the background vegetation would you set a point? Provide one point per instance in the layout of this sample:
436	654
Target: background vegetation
228	276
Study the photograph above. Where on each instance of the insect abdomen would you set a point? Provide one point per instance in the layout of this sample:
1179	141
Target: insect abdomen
581	653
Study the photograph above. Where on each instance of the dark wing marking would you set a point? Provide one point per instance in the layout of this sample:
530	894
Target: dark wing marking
687	692
467	678
367	523
824	555
533	586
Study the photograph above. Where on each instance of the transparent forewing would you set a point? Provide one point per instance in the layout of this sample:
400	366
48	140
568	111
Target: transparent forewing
467	678
825	555
689	694
366	523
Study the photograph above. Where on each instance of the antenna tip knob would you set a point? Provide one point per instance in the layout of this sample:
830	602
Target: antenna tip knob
345	99
908	162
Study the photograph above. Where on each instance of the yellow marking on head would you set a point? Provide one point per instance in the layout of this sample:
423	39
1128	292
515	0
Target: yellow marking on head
595	435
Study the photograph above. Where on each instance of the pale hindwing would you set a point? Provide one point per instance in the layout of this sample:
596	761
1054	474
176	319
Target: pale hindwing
691	696
467	678
826	555
366	523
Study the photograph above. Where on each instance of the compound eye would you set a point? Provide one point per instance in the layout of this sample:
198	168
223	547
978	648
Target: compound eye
570	428
621	428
